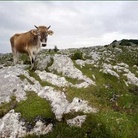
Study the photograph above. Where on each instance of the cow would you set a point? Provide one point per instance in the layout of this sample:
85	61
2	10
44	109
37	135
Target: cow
30	42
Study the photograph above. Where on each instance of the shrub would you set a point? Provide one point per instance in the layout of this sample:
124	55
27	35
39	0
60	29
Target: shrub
56	49
77	55
125	42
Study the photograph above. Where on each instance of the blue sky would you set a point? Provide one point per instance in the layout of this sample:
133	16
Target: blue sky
75	23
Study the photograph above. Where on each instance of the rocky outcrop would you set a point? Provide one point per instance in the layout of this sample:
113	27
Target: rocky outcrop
12	84
55	70
77	121
132	79
12	127
63	64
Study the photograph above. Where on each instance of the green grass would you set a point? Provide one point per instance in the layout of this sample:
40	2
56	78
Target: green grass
102	125
115	119
34	106
119	118
73	80
25	58
7	106
128	56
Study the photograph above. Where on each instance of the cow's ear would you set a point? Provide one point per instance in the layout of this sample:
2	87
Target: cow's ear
50	32
34	32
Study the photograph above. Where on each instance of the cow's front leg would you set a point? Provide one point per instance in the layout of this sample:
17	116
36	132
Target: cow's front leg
32	60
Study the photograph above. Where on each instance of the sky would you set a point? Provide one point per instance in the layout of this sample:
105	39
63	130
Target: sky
75	23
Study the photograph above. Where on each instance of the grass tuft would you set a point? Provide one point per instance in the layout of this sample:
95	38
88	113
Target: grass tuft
6	107
33	107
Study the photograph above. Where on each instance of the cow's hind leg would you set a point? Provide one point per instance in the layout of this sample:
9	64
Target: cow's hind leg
15	55
14	51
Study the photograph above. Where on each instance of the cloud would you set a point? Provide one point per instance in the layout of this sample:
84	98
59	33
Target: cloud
75	24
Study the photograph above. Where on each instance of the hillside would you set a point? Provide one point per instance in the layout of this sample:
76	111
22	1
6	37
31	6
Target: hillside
73	93
124	42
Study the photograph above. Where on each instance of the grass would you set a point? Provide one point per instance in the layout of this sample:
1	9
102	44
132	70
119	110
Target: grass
116	118
123	109
7	106
128	56
33	107
101	125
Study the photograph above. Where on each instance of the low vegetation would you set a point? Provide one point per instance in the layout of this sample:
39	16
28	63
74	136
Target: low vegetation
117	103
7	106
77	55
33	107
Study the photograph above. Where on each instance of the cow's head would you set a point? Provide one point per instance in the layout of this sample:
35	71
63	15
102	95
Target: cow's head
43	32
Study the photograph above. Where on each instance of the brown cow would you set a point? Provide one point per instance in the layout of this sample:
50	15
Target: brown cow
30	42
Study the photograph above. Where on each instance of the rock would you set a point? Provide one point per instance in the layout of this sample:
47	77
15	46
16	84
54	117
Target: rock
42	61
77	121
95	55
57	99
132	79
79	105
41	129
83	62
61	106
12	127
11	84
63	64
107	70
53	78
111	72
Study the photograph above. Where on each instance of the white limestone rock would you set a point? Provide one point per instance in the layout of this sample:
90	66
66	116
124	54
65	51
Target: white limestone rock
10	84
61	106
80	105
107	70
63	64
57	99
82	63
42	61
95	55
111	72
10	126
53	78
40	129
132	79
77	121
121	67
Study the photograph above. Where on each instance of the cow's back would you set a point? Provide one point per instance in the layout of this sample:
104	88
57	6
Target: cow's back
21	41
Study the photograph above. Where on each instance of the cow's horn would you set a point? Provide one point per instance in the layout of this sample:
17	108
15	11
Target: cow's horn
48	27
36	26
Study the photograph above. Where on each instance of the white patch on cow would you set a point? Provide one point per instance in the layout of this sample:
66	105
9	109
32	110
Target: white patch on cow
35	49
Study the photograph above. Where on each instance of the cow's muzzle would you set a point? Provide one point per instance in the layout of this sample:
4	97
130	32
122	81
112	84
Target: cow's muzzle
43	45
